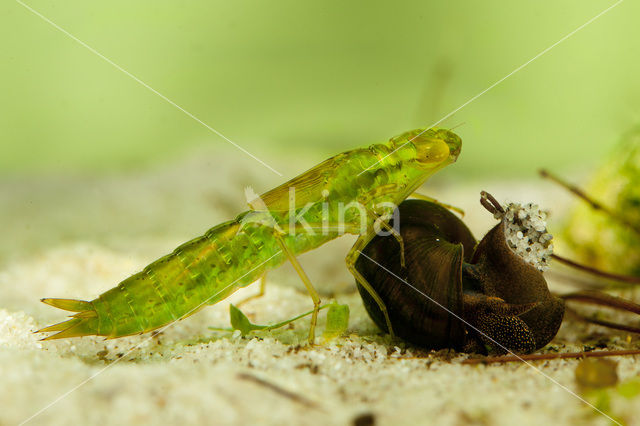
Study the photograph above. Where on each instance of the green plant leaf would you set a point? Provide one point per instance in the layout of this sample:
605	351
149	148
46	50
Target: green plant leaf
629	389
239	321
337	321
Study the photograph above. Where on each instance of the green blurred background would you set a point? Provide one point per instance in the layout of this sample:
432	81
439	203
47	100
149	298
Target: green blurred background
289	79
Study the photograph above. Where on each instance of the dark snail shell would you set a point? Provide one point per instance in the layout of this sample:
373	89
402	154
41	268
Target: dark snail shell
434	250
453	295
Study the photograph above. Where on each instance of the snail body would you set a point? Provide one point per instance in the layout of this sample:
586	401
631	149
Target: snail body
456	293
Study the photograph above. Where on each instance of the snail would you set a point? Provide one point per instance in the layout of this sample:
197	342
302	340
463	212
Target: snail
486	297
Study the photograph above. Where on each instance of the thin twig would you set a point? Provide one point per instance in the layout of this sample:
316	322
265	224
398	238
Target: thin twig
603	323
617	277
603	299
277	389
545	357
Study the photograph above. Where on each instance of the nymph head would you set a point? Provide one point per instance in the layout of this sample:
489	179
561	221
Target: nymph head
433	147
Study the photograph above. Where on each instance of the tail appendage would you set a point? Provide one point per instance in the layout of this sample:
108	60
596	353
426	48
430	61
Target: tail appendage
83	323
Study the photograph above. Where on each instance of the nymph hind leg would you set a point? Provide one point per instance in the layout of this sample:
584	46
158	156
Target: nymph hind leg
315	297
351	258
307	283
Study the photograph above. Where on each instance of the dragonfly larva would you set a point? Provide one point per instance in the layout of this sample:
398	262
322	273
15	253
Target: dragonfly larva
278	227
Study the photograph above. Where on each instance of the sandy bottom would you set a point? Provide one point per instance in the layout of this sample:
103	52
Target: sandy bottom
190	374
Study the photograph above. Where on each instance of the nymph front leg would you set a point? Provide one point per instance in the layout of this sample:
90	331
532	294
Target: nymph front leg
360	244
391	230
367	201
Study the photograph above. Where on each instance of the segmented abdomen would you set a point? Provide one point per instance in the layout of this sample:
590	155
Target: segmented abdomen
200	272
